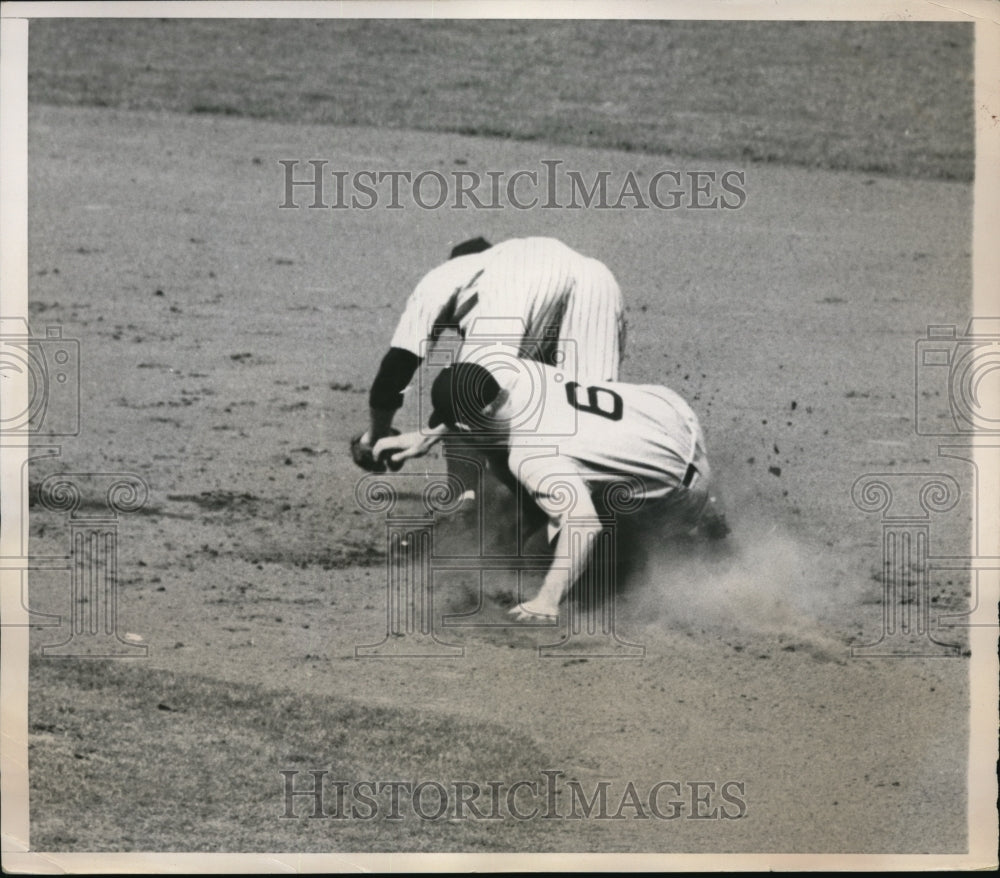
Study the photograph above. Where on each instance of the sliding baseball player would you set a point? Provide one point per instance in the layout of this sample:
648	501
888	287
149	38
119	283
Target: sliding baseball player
569	442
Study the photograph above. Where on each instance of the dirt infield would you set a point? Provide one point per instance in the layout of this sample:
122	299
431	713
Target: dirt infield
226	350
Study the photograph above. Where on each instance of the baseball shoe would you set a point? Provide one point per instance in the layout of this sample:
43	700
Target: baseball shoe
713	524
531	612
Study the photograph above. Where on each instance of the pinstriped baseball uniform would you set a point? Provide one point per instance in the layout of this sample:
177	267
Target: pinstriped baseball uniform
562	306
603	432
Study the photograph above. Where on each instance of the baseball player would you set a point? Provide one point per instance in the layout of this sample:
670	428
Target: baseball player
569	445
554	303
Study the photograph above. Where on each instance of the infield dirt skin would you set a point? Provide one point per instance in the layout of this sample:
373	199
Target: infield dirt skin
227	347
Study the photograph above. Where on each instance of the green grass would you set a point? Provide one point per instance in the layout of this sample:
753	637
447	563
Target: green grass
894	98
149	760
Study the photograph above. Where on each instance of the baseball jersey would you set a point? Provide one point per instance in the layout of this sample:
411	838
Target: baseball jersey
599	431
563	306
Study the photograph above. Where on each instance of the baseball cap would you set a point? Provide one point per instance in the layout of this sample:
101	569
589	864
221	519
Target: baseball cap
473	245
460	393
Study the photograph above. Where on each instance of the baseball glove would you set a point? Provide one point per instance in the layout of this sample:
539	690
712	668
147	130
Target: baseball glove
361	454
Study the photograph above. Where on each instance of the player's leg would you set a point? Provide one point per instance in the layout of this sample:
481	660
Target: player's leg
680	511
695	507
712	521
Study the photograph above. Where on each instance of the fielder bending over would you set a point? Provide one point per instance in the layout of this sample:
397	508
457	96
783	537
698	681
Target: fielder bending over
565	308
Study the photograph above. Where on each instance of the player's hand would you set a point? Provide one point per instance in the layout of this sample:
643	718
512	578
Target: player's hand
364	455
396	450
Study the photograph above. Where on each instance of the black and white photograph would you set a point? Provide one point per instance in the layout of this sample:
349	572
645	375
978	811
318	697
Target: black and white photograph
477	437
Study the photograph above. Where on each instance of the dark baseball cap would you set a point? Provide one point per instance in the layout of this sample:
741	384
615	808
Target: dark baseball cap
460	393
473	245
